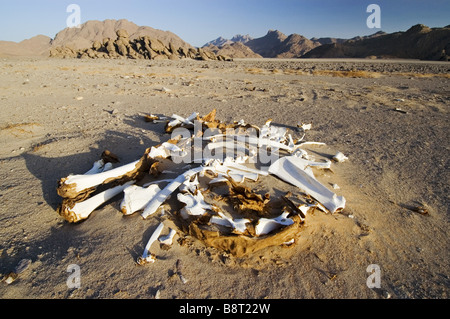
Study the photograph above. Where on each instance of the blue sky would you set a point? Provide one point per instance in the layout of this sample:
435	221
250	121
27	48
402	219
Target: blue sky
199	21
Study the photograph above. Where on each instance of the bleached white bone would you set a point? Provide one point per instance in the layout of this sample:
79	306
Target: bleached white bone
277	133
97	167
239	225
166	150
219	179
340	157
266	225
162	195
83	182
236	171
181	120
311	143
229	145
293	170
195	204
137	197
148	257
168	239
304	127
82	210
189	186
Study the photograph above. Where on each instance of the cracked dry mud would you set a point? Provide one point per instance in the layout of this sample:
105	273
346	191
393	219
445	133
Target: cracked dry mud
391	118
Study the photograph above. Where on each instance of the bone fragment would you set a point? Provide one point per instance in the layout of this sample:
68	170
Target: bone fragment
195	204
168	239
178	121
147	256
239	225
293	170
97	167
137	197
165	150
340	157
162	195
189	186
266	225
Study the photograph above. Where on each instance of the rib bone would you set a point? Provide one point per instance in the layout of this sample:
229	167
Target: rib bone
147	256
162	195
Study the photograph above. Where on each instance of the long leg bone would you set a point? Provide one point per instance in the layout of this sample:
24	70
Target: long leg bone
293	170
147	256
75	186
75	212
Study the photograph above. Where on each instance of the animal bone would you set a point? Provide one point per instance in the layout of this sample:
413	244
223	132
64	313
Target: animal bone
162	195
168	239
179	121
137	197
238	225
98	167
340	157
165	150
195	204
147	256
304	127
266	225
73	185
75	212
294	171
236	171
189	186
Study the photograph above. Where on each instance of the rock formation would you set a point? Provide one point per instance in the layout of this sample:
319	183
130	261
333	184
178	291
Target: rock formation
233	50
143	47
418	42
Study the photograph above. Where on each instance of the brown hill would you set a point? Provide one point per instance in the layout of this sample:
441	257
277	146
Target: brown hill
266	46
277	45
233	50
38	45
91	31
294	46
419	42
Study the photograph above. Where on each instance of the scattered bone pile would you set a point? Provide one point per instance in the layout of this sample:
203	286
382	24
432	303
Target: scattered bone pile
210	197
143	47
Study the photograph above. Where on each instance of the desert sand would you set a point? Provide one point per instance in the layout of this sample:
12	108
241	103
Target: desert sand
390	118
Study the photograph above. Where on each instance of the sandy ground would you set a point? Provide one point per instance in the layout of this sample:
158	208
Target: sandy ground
57	116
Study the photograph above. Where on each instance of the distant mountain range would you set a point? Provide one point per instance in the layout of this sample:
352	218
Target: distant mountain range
418	42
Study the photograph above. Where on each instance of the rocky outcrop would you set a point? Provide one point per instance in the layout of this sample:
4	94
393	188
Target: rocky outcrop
419	42
234	50
143	47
